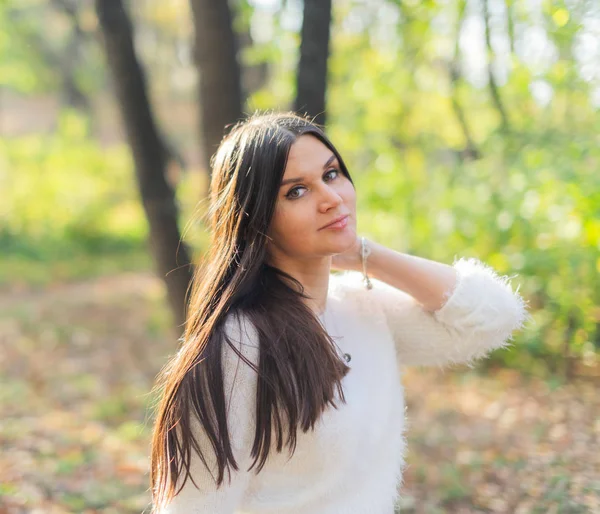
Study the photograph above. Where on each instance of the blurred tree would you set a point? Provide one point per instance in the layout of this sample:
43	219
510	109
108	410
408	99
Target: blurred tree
470	151
149	154
61	61
73	95
493	84
256	73
311	76
219	84
510	25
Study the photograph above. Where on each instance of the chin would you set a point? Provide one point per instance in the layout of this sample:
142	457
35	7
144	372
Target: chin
347	240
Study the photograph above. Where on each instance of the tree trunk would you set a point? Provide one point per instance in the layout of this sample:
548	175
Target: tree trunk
314	52
470	151
494	90
253	76
510	24
73	96
64	65
149	154
220	91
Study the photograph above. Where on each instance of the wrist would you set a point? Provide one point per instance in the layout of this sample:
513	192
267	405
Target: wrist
374	258
367	248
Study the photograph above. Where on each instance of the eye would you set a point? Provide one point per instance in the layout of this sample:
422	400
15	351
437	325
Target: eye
291	193
332	169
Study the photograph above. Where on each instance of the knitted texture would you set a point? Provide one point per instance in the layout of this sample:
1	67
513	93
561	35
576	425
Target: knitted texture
354	460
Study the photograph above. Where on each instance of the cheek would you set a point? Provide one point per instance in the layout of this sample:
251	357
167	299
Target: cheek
349	194
289	221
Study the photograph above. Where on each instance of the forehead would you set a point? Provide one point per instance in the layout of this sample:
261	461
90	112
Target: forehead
307	154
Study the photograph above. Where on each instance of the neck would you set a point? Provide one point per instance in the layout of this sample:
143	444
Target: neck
313	274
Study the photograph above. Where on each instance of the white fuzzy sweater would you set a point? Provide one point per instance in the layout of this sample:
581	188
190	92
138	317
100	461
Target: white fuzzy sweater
352	463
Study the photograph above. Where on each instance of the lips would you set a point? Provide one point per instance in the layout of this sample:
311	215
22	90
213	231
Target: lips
336	220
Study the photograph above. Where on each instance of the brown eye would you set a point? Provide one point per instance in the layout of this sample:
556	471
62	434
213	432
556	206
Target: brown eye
290	194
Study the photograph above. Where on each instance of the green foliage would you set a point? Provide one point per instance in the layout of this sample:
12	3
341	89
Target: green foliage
67	200
21	67
37	47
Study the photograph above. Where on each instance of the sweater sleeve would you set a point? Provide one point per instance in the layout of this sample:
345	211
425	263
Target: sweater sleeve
479	315
240	382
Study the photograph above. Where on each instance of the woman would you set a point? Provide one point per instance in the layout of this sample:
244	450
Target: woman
286	394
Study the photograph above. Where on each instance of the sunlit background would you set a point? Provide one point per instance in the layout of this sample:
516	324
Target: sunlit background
471	128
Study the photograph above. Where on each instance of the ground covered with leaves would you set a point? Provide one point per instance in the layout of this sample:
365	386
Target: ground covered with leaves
78	362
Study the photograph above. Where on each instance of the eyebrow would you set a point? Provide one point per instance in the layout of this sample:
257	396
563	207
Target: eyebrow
300	179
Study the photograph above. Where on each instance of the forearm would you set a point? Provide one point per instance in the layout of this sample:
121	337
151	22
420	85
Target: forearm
425	280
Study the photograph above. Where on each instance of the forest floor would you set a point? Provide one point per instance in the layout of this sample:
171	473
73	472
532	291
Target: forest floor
79	360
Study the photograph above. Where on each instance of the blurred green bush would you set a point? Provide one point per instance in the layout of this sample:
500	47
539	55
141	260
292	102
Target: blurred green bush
70	207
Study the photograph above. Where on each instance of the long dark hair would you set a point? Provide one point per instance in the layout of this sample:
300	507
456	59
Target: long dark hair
299	369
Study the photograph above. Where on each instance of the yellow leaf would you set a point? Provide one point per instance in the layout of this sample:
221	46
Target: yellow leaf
560	17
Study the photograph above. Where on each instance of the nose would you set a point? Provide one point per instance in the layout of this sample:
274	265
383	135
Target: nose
330	198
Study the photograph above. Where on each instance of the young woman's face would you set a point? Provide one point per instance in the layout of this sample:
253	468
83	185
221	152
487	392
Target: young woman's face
313	192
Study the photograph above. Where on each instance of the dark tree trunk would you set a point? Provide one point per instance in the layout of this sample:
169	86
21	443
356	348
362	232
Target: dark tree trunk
220	91
149	154
312	67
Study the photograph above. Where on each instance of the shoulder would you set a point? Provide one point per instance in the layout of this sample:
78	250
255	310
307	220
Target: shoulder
240	329
348	291
345	283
